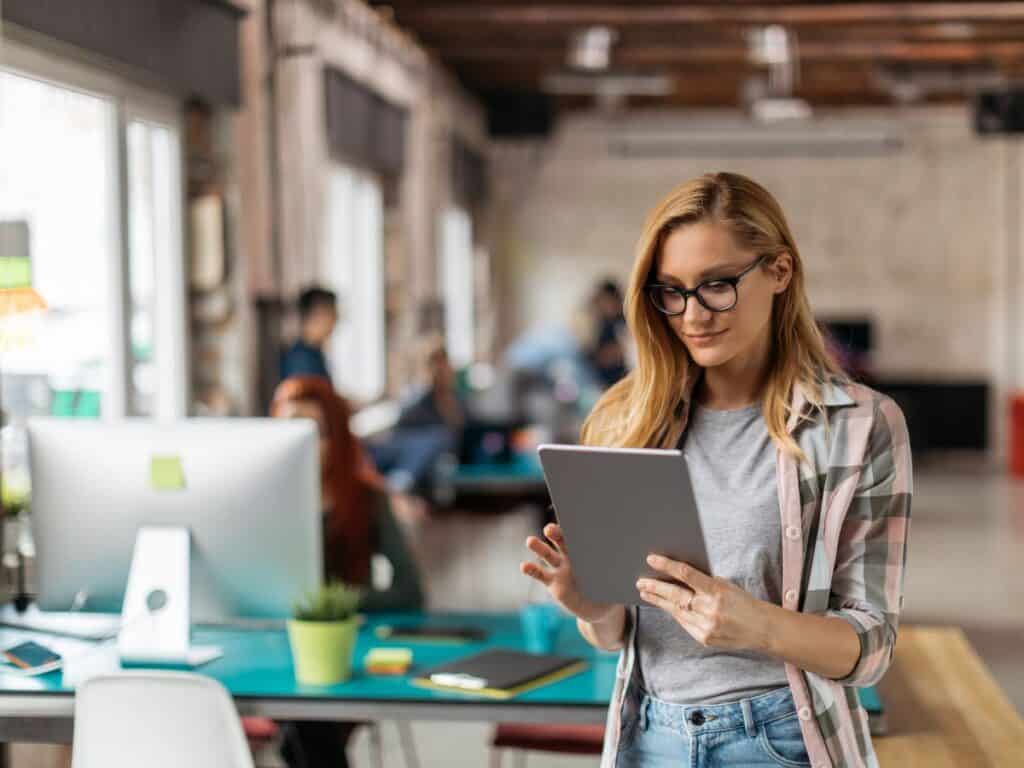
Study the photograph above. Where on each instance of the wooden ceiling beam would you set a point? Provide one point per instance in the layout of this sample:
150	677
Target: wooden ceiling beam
524	14
938	52
844	77
459	36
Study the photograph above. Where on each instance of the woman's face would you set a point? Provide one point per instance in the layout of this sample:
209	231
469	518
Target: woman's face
705	250
309	409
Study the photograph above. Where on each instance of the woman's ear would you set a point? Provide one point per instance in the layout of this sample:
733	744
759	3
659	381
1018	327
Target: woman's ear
781	271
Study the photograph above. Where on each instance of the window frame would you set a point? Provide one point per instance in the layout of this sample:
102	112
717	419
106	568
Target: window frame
129	102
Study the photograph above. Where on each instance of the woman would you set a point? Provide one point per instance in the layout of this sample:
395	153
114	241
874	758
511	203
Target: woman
804	483
358	524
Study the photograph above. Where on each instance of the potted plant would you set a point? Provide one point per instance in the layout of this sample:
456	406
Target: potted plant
322	634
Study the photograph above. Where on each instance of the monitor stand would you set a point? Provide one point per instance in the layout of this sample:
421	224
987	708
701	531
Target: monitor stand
156	615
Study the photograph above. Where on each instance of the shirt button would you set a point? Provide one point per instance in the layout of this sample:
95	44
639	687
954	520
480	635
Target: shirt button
792	533
805	713
791	596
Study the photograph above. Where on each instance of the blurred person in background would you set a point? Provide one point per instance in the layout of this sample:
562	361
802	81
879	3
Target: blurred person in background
430	422
360	525
607	348
318	317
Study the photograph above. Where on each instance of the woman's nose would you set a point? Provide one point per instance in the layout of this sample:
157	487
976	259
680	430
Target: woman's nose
697	313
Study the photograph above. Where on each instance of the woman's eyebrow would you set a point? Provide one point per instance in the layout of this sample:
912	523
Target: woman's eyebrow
719	270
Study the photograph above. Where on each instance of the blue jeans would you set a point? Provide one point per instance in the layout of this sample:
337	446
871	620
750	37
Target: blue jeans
759	731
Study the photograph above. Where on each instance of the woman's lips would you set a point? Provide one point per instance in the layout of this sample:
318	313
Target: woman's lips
702	339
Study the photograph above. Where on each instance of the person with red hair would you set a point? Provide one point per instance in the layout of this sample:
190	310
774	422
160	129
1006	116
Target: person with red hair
359	524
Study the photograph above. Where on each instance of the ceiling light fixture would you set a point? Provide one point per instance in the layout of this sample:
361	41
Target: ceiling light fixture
590	49
772	100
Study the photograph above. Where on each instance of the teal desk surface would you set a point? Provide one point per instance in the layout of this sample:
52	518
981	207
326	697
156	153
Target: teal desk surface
256	668
259	663
523	466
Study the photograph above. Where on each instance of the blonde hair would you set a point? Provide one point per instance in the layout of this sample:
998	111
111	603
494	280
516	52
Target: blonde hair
641	410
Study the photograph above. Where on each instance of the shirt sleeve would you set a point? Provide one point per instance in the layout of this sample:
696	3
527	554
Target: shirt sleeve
867	582
303	361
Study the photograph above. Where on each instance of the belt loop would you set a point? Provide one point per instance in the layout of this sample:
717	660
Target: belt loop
748	718
644	704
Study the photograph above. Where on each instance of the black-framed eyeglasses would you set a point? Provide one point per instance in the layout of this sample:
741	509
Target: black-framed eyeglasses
717	295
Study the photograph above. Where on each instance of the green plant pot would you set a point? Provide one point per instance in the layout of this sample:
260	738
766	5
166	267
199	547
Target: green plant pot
322	650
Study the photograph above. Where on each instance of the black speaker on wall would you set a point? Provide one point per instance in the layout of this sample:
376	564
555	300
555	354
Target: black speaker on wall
999	112
518	114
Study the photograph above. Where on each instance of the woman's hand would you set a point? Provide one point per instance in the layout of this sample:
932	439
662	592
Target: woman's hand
557	576
716	613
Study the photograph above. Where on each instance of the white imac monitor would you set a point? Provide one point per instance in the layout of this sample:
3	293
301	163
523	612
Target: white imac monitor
245	492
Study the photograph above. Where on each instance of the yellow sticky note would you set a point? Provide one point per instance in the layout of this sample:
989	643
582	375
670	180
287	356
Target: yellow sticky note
389	656
388	661
166	473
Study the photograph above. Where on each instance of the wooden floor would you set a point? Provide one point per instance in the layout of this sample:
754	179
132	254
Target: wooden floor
944	708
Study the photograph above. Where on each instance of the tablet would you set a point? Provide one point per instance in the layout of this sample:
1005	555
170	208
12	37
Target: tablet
618	505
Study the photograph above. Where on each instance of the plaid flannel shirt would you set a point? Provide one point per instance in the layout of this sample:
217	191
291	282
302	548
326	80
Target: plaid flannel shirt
845	516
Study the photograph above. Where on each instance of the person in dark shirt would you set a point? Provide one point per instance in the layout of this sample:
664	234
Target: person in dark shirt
607	352
318	315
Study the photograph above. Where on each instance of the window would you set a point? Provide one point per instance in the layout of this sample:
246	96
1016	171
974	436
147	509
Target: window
57	147
457	285
353	265
108	345
158	378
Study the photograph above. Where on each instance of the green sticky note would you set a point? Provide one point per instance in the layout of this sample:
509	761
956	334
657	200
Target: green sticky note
15	273
166	474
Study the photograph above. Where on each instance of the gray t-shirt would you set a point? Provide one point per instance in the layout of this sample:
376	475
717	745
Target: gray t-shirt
731	459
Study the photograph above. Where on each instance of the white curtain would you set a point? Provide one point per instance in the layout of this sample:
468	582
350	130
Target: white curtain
456	249
353	266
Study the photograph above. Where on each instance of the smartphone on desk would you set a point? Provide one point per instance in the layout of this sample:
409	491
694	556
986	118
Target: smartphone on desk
29	655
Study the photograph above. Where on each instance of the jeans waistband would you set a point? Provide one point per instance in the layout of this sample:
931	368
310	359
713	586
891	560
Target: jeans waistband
744	713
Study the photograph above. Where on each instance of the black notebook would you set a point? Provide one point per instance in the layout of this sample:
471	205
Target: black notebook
499	673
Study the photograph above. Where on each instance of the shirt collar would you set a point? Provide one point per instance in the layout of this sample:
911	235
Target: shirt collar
833	395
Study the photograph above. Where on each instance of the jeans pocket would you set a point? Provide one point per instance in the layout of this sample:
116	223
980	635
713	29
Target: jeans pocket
783	742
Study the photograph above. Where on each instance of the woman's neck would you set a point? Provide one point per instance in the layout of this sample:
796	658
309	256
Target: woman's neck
735	384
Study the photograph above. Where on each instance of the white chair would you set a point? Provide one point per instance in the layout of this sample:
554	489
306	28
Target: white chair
157	720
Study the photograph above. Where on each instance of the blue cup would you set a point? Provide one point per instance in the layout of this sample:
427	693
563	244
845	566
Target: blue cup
541	623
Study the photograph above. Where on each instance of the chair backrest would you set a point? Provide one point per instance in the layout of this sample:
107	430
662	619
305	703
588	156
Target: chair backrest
157	720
